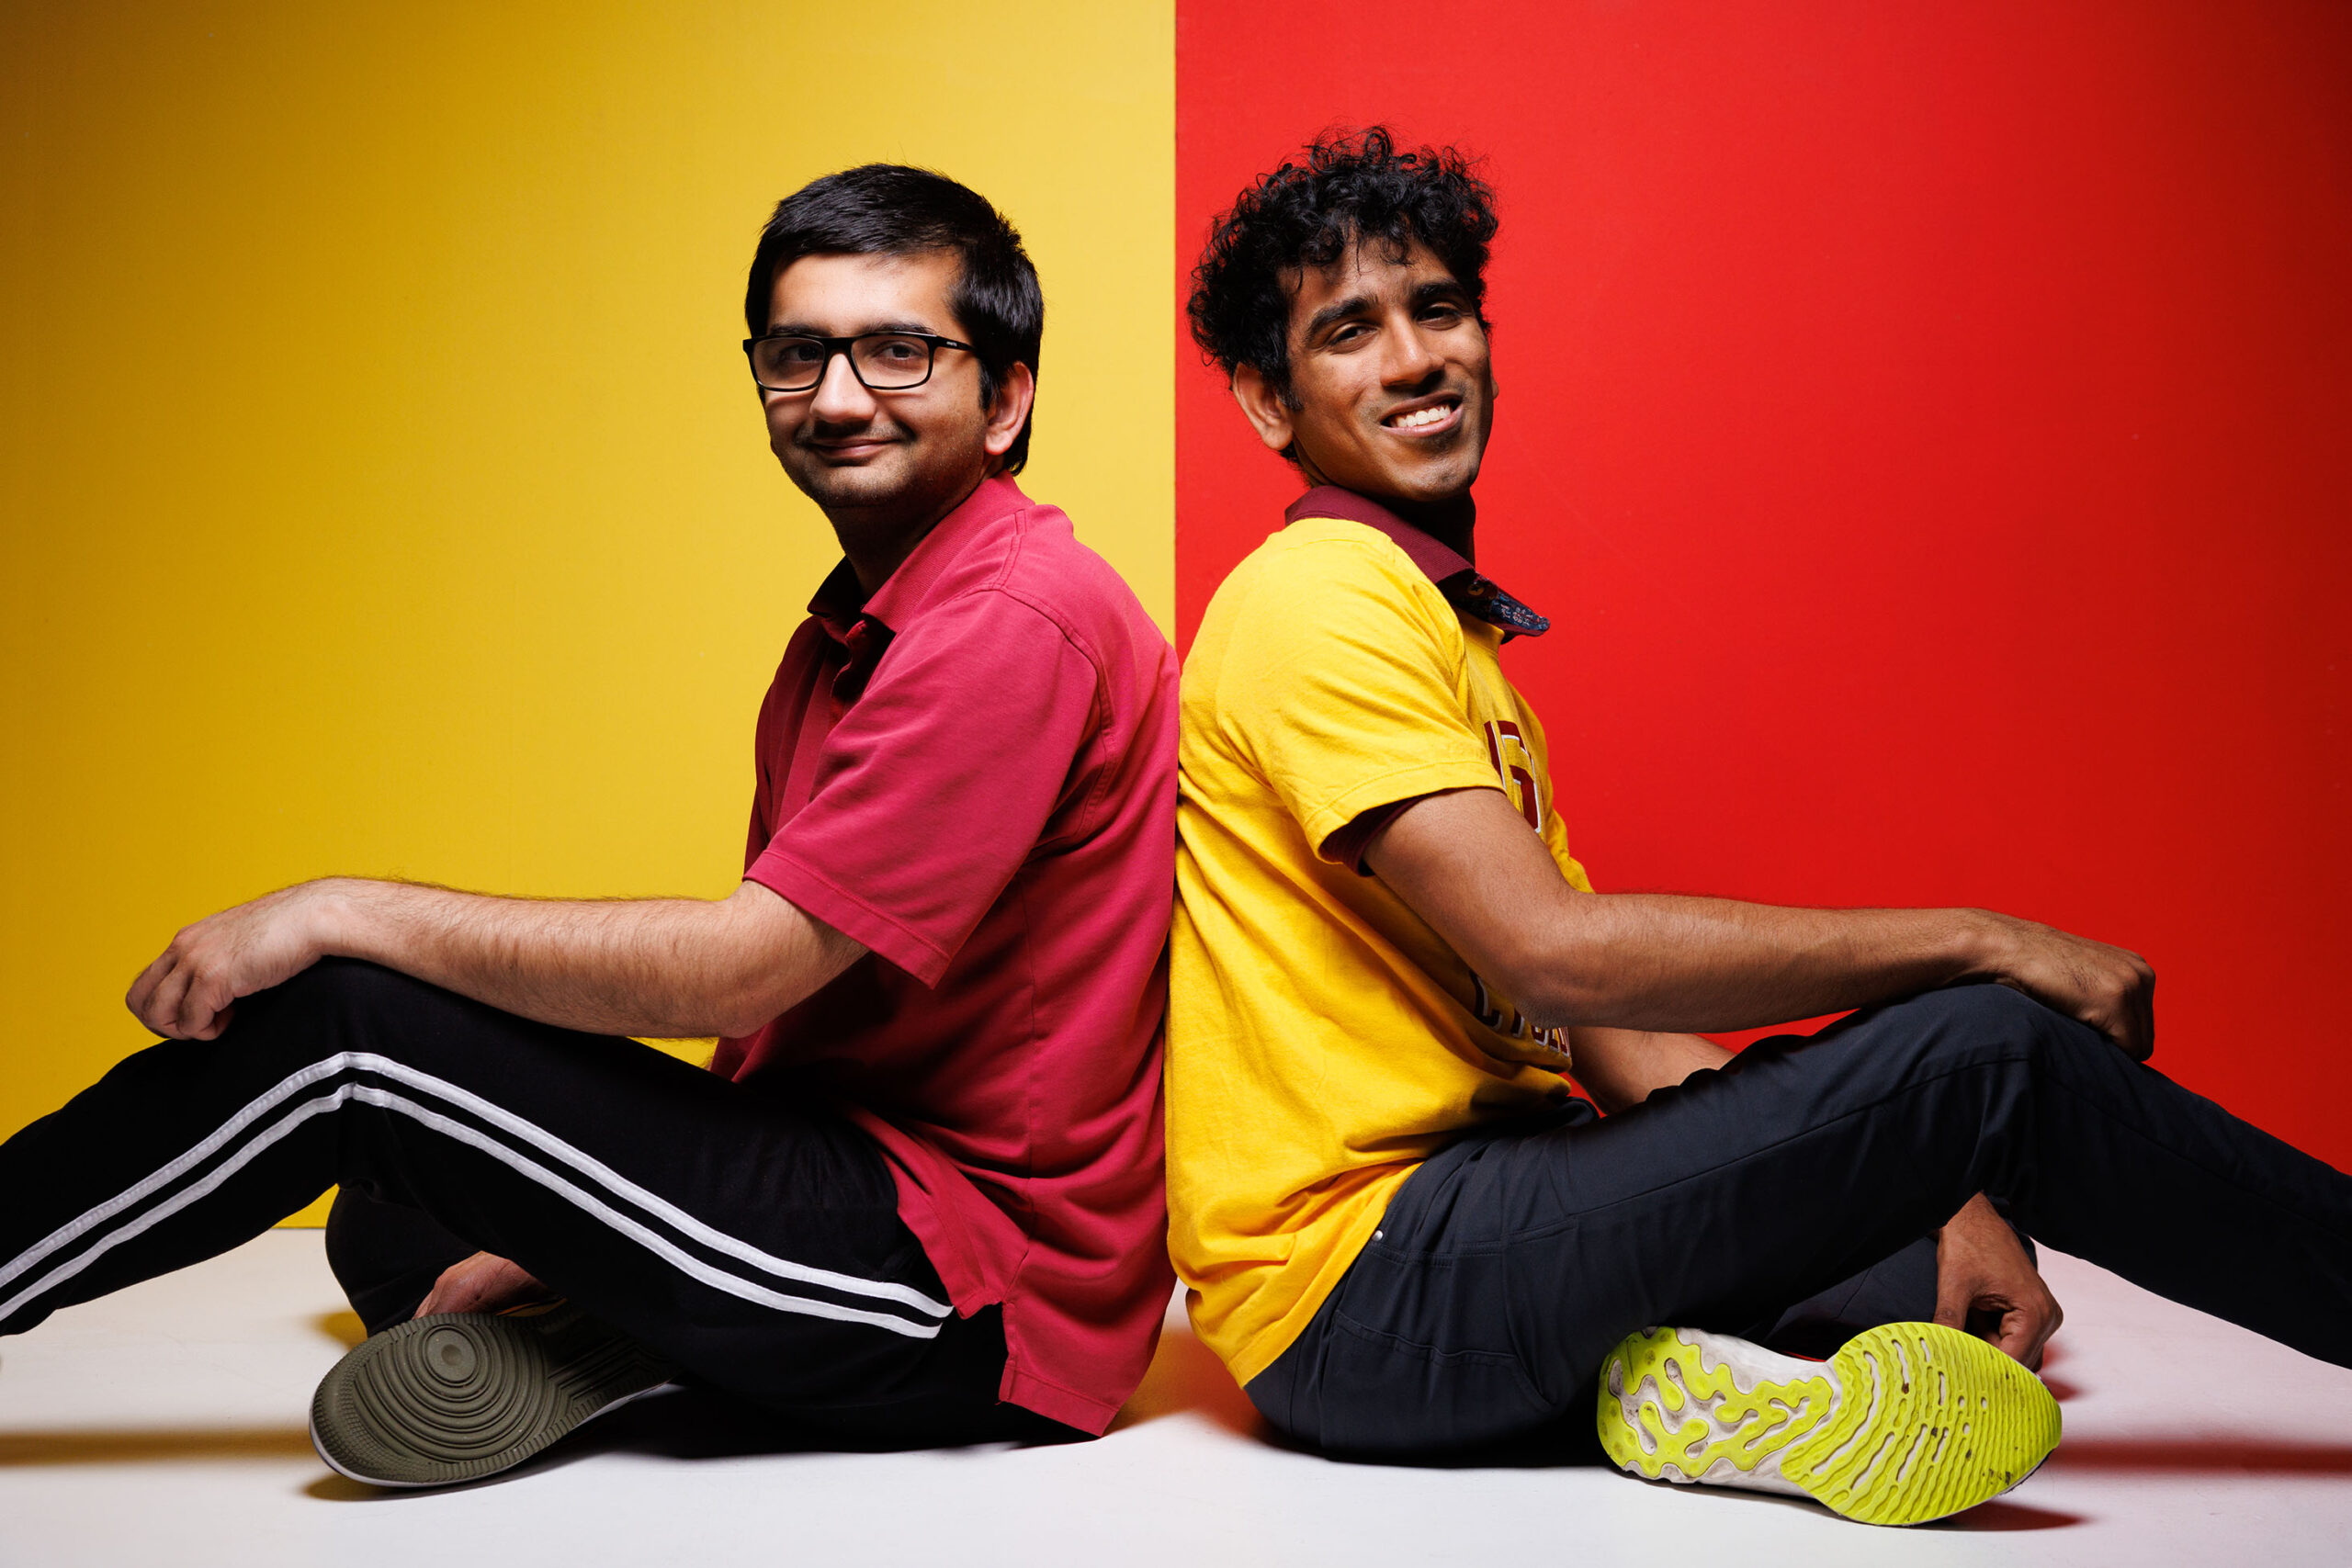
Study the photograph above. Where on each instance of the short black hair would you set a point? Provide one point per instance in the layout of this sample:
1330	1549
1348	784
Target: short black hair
891	210
1354	187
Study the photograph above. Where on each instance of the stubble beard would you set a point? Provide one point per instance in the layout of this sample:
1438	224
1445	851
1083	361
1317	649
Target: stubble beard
917	476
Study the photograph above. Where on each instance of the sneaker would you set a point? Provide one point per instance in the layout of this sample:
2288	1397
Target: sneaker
1905	1423
461	1396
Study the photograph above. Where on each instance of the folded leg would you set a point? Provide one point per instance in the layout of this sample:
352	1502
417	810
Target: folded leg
749	1239
1511	1263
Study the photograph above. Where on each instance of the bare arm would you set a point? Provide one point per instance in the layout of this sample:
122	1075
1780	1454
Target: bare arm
1620	1066
1465	862
656	966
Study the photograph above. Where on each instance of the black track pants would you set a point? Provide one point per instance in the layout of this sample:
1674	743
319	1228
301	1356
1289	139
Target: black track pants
752	1240
1511	1263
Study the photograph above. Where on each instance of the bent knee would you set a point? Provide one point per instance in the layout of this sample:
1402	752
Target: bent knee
331	993
1971	1021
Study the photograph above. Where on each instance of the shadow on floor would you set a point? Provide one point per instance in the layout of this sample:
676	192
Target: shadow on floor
2208	1455
344	1327
1998	1516
144	1445
1185	1375
702	1424
677	1423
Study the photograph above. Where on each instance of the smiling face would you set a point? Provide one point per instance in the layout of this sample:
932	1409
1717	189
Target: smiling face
1392	389
883	462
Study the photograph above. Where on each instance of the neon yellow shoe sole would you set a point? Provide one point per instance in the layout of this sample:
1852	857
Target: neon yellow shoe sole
1906	1423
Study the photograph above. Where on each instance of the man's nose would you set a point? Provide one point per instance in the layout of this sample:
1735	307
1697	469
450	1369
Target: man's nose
1410	360
841	398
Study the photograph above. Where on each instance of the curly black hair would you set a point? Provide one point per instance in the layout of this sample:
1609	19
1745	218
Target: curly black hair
1354	187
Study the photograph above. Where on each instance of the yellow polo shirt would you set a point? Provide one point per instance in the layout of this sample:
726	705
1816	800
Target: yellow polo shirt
1322	1040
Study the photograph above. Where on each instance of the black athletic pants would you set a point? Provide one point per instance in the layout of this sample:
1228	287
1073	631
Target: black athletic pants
1509	1265
751	1240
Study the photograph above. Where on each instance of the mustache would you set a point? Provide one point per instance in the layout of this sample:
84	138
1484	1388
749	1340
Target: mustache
879	427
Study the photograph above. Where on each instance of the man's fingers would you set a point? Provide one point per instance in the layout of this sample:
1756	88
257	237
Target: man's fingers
207	1006
2045	1326
1951	1306
2131	1022
144	986
2137	1035
163	1010
2014	1333
195	1008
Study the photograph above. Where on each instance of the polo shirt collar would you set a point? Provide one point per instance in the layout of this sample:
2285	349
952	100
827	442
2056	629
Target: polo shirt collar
864	627
839	606
1465	588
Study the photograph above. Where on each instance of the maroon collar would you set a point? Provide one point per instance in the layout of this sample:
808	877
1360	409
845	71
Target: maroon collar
1464	587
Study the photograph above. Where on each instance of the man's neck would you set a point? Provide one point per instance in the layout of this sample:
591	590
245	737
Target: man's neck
877	540
1452	522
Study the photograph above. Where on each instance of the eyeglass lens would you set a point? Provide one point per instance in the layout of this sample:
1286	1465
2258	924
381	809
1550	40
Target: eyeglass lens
884	361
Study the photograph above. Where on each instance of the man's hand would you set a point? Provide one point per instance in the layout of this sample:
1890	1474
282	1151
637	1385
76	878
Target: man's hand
1982	1272
2110	988
190	991
484	1283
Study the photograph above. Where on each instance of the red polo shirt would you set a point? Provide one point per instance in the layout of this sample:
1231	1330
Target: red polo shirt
973	774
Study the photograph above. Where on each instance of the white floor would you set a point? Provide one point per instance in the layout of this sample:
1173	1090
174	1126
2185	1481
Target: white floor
164	1425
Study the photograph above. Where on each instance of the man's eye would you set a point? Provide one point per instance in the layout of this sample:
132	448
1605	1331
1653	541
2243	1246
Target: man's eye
799	353
1441	315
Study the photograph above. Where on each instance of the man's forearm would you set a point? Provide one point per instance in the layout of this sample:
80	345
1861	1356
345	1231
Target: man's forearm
650	967
1463	861
1669	963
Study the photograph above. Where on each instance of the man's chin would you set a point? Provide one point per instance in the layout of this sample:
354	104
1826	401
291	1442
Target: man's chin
1425	489
870	483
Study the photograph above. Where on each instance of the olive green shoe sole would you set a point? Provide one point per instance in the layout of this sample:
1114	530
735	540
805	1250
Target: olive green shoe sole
461	1396
1905	1423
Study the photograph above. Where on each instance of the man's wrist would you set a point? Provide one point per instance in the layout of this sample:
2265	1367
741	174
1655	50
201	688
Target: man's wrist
335	917
1981	944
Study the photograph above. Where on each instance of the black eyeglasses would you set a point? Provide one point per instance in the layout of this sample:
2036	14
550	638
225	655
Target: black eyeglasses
882	362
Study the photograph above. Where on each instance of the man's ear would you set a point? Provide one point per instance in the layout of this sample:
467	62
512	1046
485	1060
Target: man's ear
1268	414
1016	392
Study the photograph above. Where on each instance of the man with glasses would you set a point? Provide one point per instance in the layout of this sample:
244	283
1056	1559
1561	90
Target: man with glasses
1400	1233
918	1198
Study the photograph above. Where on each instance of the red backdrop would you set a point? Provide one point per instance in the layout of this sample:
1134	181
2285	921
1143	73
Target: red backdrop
1928	430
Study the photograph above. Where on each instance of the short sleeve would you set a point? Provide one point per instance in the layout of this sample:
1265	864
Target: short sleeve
1342	689
939	782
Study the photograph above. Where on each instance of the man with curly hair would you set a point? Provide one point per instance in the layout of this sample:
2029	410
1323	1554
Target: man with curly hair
1399	1230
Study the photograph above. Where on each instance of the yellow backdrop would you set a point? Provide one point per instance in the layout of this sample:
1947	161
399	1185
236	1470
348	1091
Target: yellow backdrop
384	490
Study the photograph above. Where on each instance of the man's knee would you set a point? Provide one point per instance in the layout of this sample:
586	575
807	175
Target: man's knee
1986	1024
333	998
